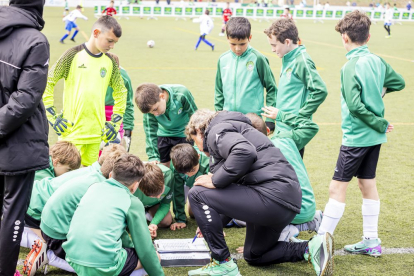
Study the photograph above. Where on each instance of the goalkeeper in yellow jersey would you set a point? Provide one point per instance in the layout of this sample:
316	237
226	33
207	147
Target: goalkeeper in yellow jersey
88	71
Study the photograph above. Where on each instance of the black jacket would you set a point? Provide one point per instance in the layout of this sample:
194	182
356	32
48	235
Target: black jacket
24	62
243	155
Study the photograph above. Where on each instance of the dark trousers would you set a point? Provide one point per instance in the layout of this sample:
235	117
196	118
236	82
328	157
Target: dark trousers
388	29
15	192
265	221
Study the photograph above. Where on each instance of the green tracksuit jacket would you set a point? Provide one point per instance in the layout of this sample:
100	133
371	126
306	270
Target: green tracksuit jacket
362	80
49	172
301	90
165	198
180	107
240	82
128	119
59	209
180	180
94	245
45	188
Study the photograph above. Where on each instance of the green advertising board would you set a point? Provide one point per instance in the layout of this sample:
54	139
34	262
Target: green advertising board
396	15
249	12
279	13
368	13
347	12
199	11
319	13
147	10
157	10
270	12
377	15
309	13
117	9
219	11
188	11
136	10
167	10
339	14
102	8
96	9
178	11
406	15
126	9
412	16
329	14
260	12
299	13
239	12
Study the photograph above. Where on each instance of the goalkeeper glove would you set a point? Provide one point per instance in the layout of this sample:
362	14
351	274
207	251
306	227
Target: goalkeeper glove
111	128
58	123
127	139
271	126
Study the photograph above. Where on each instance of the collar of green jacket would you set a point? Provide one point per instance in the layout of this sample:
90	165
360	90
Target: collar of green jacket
170	103
117	183
96	166
293	54
359	51
51	167
249	49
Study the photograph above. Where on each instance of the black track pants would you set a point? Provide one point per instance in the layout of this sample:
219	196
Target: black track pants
265	221
15	194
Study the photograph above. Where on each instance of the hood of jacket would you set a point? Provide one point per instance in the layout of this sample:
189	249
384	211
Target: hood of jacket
15	17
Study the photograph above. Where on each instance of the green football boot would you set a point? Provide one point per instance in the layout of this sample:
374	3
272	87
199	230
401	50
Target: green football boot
214	268
320	254
371	247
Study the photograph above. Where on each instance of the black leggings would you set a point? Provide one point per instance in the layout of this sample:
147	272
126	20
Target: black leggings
388	28
265	221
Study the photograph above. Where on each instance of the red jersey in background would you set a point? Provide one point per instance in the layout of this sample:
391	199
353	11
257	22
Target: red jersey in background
226	14
109	11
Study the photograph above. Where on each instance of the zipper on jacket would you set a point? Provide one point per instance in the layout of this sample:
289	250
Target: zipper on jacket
235	86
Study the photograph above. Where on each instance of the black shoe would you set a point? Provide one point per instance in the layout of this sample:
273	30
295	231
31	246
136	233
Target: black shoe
61	41
73	40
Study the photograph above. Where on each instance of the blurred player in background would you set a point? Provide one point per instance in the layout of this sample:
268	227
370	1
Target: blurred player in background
110	10
70	23
287	14
66	8
206	25
227	13
388	19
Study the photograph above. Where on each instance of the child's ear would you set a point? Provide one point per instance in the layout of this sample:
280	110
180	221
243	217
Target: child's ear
54	162
345	38
250	38
110	174
369	36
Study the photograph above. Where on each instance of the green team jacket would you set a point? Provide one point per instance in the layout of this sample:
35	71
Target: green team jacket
362	80
45	188
94	245
59	209
180	107
301	89
240	82
180	180
128	119
165	198
49	172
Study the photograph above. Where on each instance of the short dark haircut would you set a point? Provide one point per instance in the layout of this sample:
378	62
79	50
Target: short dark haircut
356	26
282	29
108	23
287	9
238	28
184	157
207	12
152	183
128	169
257	122
146	95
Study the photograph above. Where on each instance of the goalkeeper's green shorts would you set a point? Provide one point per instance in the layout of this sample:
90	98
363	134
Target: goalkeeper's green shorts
89	153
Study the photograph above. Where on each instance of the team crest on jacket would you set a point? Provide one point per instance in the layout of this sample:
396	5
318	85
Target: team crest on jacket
289	73
180	110
103	72
250	66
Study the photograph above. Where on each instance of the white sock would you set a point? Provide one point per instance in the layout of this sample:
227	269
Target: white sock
370	214
139	272
331	216
28	238
58	262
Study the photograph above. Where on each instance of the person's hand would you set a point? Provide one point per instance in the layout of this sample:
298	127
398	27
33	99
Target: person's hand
390	128
198	233
153	230
205	181
178	225
155	162
58	123
270	112
240	249
111	129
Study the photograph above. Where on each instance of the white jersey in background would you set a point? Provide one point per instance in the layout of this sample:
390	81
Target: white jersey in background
206	24
73	15
388	14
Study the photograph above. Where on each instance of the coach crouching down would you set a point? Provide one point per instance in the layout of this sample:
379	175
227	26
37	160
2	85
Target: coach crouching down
252	181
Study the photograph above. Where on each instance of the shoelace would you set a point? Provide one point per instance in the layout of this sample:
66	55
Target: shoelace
211	264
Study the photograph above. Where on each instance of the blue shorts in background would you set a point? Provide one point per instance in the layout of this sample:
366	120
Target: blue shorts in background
70	25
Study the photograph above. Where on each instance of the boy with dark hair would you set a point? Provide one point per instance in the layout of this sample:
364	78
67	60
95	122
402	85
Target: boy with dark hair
188	163
243	73
83	118
167	109
63	157
363	79
156	192
98	249
70	24
301	89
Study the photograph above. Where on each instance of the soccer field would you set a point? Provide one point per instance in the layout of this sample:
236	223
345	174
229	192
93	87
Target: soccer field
174	60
